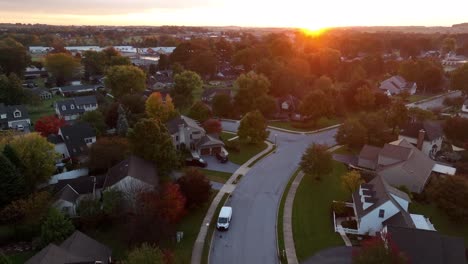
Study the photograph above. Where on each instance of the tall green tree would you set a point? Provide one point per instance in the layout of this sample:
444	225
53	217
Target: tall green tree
12	92
11	182
222	105
352	133
125	80
185	84
122	122
316	161
459	79
200	111
253	128
56	228
62	66
252	87
351	181
158	109
317	104
397	115
150	140
96	120
14	57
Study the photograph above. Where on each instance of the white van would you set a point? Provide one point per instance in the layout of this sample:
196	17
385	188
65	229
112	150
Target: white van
224	218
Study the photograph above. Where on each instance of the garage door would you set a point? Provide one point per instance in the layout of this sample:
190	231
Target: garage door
215	150
205	151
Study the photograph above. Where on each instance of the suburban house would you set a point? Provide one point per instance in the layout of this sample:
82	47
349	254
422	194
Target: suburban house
464	110
208	94
77	89
377	204
427	136
399	162
74	141
69	192
33	72
14	117
42	93
77	248
131	176
289	104
396	85
426	246
188	134
71	109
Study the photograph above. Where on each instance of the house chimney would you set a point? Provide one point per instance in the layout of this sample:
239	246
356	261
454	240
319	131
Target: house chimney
421	135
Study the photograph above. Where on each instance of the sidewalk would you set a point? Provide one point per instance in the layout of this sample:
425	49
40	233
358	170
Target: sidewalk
289	245
228	187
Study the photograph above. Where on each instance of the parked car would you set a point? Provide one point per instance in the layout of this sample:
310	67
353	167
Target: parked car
222	157
225	216
196	162
20	128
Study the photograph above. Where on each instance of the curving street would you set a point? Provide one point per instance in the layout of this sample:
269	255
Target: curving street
252	234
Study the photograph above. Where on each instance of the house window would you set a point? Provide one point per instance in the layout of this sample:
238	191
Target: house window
88	140
17	113
72	107
191	136
3	116
177	138
64	108
381	213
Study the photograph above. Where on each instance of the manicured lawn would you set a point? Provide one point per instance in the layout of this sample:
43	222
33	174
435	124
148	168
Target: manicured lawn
227	136
45	108
440	220
21	258
312	220
217	176
247	151
417	97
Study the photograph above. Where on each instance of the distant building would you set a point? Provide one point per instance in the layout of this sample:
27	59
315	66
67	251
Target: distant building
77	89
396	85
464	110
72	109
14	117
427	136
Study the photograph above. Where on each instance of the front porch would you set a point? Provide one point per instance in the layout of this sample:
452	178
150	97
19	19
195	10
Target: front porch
344	218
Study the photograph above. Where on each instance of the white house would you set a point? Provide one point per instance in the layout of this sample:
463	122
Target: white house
74	141
396	85
13	117
427	136
72	109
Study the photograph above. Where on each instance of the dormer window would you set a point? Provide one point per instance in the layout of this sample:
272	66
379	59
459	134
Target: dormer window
381	213
64	108
72	106
3	116
17	113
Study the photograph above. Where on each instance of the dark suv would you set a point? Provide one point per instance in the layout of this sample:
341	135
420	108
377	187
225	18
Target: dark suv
196	162
222	157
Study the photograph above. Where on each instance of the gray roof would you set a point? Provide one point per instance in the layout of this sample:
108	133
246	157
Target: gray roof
173	124
395	152
77	248
77	88
68	103
134	167
208	141
67	193
395	84
10	109
427	247
433	130
85	100
81	185
466	103
381	193
74	137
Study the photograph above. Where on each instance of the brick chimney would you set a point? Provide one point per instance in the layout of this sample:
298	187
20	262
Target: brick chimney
421	135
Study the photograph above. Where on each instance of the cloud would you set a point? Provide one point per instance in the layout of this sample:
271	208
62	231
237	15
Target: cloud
99	7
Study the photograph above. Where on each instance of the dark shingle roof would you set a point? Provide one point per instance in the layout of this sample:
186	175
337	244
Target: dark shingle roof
54	139
134	167
70	107
173	124
433	130
67	193
85	100
395	152
74	136
53	254
207	141
10	109
82	185
77	88
428	247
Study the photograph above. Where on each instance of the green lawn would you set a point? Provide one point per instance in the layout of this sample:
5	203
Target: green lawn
247	151
417	97
21	258
217	176
45	108
227	136
312	221
440	220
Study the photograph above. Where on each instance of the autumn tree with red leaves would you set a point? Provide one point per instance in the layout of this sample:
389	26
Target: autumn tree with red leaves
171	204
195	186
212	126
378	250
47	125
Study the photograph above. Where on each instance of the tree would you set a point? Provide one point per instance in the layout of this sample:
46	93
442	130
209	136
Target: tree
316	161
62	66
352	133
222	105
150	140
448	45
157	109
417	114
11	182
378	250
200	111
56	228
317	104
12	156
47	125
37	156
351	181
185	84
164	62
107	152
253	128
12	92
195	186
14	57
459	79
398	115
171	205
122	123
455	129
96	120
26	210
450	194
252	87
212	126
377	133
267	105
145	254
112	200
125	79
365	97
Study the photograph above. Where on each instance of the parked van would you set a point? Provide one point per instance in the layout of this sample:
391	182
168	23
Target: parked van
224	218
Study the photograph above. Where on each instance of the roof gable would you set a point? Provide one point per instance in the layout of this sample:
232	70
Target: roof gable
134	167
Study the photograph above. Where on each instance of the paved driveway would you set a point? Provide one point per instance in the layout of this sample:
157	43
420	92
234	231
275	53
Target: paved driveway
335	255
214	164
252	235
435	103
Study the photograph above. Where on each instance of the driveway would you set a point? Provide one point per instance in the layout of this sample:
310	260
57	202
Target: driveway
215	165
435	103
335	255
252	234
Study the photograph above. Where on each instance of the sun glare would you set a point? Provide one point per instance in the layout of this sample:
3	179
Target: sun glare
314	32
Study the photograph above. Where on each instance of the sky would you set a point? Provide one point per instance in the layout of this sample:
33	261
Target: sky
310	14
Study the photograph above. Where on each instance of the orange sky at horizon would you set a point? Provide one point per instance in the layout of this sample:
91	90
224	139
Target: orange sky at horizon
255	13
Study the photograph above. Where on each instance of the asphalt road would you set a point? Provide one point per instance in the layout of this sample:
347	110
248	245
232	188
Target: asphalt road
436	103
252	234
